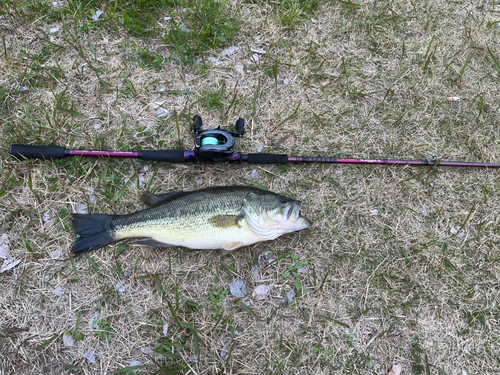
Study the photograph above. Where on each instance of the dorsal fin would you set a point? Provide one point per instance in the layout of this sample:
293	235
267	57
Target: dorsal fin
151	200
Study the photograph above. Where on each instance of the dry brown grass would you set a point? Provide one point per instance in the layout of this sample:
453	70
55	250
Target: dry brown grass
398	286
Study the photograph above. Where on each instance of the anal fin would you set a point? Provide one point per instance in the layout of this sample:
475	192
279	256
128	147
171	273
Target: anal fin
153	243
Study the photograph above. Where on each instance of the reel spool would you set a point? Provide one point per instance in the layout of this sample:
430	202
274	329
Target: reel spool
214	145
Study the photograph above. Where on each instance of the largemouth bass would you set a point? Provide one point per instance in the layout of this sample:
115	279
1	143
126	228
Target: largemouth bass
224	218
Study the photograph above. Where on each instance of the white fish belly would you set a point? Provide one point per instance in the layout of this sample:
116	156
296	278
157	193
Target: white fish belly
203	236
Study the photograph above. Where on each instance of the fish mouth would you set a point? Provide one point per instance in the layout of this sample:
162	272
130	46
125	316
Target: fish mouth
304	223
291	213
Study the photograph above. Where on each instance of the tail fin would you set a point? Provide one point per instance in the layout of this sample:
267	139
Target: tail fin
93	232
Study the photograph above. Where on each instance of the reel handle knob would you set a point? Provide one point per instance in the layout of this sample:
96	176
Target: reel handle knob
240	127
197	124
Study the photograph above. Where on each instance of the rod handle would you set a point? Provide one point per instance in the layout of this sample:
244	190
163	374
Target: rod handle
267	158
169	156
22	152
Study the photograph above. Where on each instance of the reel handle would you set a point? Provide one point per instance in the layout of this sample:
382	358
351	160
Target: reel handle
240	127
198	123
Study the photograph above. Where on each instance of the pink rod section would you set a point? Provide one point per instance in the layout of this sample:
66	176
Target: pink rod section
110	154
393	162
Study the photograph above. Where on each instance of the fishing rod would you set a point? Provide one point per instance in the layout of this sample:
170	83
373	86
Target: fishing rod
219	145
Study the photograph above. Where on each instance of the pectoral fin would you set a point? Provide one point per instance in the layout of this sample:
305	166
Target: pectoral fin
226	221
230	246
153	243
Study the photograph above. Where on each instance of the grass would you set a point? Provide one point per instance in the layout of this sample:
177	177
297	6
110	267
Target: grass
372	288
201	26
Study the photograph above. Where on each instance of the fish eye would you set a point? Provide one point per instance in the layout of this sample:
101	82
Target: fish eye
282	199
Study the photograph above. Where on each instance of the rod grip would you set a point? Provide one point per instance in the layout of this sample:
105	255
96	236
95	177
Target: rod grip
170	156
267	158
22	152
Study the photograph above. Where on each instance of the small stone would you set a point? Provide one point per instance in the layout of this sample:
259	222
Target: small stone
90	356
135	363
227	340
97	124
54	30
240	69
121	286
303	269
81	209
47	216
453	230
4	246
261	292
56	254
162	112
147	350
374	212
9	264
92	196
254	174
256	273
96	15
229	51
286	81
289	296
260	148
238	289
396	370
95	318
68	340
256	50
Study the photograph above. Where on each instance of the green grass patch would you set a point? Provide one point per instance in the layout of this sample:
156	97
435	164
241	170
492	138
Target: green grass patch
206	24
139	17
150	59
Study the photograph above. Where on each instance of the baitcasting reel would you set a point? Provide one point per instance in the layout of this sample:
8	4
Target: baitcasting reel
214	145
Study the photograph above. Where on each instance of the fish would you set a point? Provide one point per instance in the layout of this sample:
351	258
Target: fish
221	217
